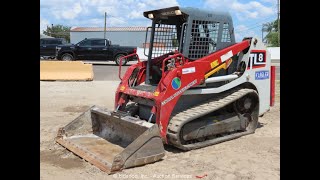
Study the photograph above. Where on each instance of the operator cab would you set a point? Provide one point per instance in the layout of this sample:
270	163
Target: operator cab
193	32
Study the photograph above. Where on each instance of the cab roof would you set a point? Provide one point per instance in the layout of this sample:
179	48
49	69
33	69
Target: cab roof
196	13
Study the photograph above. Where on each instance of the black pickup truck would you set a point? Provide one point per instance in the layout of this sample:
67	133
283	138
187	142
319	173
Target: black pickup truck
48	47
94	49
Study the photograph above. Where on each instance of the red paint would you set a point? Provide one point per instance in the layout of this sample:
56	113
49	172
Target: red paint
202	176
272	85
260	66
257	51
153	110
165	89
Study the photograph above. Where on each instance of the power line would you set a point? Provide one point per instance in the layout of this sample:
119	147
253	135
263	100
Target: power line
122	20
252	27
257	22
256	25
118	19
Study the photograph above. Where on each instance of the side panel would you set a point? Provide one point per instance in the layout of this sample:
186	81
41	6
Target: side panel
258	74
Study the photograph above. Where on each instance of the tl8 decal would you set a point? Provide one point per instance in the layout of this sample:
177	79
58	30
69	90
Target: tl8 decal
257	59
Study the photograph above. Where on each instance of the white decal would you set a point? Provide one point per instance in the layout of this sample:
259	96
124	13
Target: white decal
179	92
226	56
258	58
188	70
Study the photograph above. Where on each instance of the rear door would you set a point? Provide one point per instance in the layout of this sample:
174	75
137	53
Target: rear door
108	51
98	49
51	45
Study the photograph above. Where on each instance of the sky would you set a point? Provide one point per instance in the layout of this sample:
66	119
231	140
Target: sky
248	15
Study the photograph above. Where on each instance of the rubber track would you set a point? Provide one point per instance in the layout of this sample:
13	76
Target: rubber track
181	118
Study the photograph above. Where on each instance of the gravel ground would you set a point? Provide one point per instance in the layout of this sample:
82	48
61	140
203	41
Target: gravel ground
255	156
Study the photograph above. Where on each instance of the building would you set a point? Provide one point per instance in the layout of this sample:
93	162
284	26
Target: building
123	36
275	54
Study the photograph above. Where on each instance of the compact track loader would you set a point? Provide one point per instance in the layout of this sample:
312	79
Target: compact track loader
197	88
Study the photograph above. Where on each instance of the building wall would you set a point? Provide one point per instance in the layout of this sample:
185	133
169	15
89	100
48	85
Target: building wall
129	38
275	53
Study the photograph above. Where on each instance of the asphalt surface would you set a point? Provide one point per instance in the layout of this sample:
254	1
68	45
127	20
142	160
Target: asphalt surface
106	71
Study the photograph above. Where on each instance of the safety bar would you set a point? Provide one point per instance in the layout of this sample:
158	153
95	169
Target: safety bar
133	54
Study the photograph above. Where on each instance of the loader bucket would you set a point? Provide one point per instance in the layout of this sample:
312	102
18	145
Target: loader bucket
111	141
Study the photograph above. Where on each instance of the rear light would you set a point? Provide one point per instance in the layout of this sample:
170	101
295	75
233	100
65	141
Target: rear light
135	50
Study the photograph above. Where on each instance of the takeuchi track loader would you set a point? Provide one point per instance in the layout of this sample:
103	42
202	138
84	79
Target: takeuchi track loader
197	88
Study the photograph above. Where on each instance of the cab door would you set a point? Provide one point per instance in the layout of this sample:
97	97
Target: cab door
98	49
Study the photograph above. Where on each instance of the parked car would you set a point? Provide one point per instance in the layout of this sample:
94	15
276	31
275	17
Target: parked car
48	47
95	49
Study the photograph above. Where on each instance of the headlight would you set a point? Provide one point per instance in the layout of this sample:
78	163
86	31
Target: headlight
58	48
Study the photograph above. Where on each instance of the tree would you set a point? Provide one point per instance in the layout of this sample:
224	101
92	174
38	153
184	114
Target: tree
268	26
272	36
58	31
273	39
275	25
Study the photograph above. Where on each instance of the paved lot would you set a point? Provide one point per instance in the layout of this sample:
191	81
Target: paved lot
105	71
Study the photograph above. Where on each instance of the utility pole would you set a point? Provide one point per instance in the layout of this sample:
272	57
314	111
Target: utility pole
105	24
262	32
279	22
51	30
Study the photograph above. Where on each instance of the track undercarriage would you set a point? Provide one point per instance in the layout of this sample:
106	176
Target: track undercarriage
223	117
226	116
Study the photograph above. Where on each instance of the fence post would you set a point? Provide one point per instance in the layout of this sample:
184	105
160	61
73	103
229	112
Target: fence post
273	85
